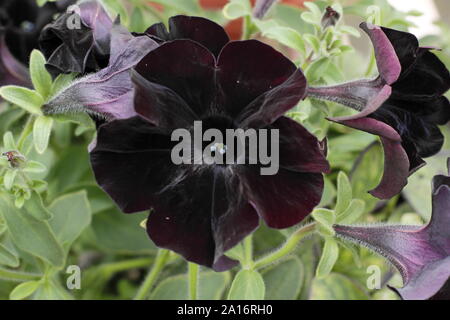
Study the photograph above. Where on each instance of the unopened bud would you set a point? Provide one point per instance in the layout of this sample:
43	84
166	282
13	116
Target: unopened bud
15	158
330	17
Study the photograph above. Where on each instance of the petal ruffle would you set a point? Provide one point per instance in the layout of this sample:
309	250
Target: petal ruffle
206	32
201	223
78	48
187	68
283	199
247	69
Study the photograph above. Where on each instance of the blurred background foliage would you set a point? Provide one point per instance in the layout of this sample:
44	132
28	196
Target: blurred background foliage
113	250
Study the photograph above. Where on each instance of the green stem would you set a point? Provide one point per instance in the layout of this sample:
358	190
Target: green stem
158	265
18	276
246	27
248	252
287	247
27	129
193	280
115	267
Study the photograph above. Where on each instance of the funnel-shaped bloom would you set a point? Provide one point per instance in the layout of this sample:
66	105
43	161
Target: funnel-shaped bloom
78	41
421	254
404	105
201	210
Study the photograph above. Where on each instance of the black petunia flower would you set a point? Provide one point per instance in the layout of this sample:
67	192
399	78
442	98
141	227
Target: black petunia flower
78	41
421	254
21	21
201	210
404	105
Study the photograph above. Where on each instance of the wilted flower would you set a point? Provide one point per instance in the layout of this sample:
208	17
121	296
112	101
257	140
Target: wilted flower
421	254
201	210
404	105
107	93
78	41
21	21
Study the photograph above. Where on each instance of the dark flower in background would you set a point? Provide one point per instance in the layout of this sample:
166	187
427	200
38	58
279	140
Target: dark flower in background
201	211
21	21
78	41
421	254
330	17
404	105
262	7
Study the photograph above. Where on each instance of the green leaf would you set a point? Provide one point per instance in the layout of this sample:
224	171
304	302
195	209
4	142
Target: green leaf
51	290
236	253
344	193
34	167
25	98
316	70
236	9
41	79
352	213
310	18
211	287
61	82
336	287
247	285
329	257
325	218
8	141
8	258
35	207
287	36
8	178
31	235
41	133
313	41
313	8
71	215
24	290
284	281
350	30
125	227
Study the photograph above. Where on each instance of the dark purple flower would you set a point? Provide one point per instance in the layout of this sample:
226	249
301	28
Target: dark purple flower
107	93
404	105
421	254
21	21
78	41
201	211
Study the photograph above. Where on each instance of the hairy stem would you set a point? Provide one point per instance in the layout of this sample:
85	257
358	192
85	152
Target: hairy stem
287	248
160	261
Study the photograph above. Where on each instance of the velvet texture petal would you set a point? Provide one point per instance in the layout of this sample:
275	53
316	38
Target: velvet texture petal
247	69
201	223
421	254
139	156
191	76
299	150
206	32
284	199
109	92
78	41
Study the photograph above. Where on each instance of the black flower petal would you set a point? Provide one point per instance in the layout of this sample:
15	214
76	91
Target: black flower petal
206	32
